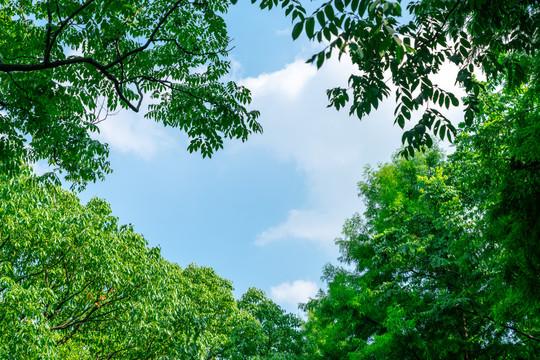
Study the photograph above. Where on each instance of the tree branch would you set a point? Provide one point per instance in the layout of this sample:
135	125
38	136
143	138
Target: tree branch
7	237
63	24
423	44
528	336
169	85
72	61
224	51
150	38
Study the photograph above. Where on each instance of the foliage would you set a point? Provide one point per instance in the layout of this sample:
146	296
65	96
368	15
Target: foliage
446	258
426	281
74	284
66	64
281	337
400	52
263	330
499	158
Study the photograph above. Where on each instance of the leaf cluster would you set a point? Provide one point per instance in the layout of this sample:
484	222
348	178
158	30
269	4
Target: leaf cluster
399	52
74	284
444	262
66	65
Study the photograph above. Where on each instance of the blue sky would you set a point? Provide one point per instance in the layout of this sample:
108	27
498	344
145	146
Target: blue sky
263	213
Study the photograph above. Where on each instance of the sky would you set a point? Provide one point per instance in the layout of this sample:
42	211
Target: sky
264	213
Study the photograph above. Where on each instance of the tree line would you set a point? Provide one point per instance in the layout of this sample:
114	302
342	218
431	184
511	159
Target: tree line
443	263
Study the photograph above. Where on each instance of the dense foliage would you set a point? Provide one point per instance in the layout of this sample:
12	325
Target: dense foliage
76	285
66	64
399	51
445	262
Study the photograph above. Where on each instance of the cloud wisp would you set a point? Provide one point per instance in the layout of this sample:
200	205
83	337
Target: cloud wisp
130	132
329	148
291	294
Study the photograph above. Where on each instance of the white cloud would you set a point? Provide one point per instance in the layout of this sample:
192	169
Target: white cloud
312	224
41	167
284	32
291	294
286	83
131	133
329	148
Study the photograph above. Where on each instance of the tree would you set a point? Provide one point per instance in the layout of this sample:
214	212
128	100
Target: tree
425	277
400	53
446	257
498	158
66	64
280	335
74	284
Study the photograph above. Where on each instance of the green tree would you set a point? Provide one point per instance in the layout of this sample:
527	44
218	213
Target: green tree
427	281
498	159
279	335
74	284
399	52
66	64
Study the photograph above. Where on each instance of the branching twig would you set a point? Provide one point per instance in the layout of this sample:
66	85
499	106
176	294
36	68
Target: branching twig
224	51
150	38
63	24
423	44
528	336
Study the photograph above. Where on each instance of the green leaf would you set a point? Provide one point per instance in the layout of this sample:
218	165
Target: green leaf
320	18
455	101
339	5
326	33
310	26
400	53
329	11
401	121
297	30
404	137
363	6
320	59
429	141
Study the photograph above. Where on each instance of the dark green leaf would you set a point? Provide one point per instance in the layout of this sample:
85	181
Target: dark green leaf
310	26
320	59
329	11
297	30
320	18
339	5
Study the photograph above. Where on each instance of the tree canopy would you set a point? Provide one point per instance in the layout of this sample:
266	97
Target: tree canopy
445	259
66	64
398	51
74	284
443	263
